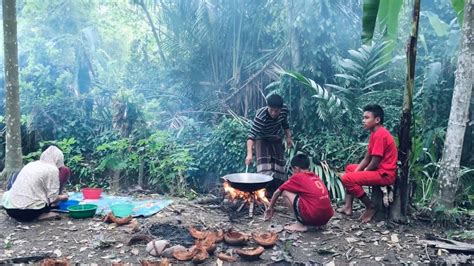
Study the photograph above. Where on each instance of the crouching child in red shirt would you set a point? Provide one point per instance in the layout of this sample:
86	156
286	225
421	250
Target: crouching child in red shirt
306	195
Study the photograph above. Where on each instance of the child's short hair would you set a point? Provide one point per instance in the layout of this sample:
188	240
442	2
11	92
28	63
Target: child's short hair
275	101
301	161
376	110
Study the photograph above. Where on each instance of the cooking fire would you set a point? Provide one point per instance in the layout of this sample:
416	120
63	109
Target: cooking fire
249	198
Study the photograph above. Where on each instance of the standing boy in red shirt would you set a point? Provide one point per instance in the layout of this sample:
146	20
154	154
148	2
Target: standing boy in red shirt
305	194
378	167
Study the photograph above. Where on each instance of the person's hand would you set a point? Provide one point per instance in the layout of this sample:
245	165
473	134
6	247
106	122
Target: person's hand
289	143
248	159
269	214
63	197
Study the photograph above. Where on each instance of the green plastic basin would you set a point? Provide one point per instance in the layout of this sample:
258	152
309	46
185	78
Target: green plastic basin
122	209
82	211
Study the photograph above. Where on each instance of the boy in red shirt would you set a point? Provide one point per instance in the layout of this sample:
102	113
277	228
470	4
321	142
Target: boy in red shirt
378	167
305	194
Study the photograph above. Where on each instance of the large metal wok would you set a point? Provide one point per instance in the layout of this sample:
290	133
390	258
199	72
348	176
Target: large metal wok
248	182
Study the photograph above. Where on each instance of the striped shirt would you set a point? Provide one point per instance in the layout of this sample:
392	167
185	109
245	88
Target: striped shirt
264	125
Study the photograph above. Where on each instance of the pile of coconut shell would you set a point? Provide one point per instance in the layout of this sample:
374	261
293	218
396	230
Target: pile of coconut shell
206	243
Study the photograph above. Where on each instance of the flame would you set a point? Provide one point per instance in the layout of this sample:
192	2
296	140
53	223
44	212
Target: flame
235	194
260	195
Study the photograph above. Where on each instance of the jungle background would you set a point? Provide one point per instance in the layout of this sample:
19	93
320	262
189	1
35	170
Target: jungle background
161	93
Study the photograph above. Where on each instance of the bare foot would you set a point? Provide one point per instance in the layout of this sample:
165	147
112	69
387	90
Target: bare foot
344	210
368	215
296	227
48	216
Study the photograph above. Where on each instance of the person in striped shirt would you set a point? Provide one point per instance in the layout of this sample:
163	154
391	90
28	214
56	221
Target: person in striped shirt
268	126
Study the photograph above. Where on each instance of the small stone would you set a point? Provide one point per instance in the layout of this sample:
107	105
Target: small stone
135	251
394	238
58	253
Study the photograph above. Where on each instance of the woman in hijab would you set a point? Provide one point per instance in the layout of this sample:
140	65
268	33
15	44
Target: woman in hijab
37	187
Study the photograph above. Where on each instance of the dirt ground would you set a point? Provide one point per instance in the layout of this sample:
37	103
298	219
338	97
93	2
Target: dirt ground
343	241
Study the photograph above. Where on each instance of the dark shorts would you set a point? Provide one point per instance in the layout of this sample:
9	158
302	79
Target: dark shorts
296	209
27	215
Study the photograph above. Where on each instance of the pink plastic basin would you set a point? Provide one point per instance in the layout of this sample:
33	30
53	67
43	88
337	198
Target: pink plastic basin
91	193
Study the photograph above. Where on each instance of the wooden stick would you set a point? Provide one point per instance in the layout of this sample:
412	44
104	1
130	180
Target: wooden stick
252	204
241	206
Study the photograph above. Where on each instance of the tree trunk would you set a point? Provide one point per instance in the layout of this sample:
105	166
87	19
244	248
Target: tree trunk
295	48
13	153
404	136
153	29
141	170
458	117
295	52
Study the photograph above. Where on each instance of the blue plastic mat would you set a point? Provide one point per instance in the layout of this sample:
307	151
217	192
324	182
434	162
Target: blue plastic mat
142	208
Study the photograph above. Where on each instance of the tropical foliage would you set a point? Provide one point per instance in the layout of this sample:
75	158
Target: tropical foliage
162	93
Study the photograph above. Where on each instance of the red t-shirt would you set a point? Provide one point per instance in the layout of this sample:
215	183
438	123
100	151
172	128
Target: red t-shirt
314	206
381	143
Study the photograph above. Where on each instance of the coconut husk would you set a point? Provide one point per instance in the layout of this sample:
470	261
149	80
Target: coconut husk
197	234
265	239
219	235
235	238
250	254
201	255
110	218
185	255
208	243
227	258
55	262
164	262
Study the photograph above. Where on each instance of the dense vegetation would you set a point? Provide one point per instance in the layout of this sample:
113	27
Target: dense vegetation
161	93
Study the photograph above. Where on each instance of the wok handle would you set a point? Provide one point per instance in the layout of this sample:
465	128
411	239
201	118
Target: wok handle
247	168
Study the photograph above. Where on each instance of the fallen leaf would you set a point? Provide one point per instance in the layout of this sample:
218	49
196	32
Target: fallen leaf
394	238
358	233
351	239
119	245
82	249
385	232
135	251
378	258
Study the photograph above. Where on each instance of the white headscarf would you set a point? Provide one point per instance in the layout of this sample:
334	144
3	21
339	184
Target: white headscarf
53	155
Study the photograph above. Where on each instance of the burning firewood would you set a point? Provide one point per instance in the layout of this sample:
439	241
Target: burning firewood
226	258
265	239
235	238
250	254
